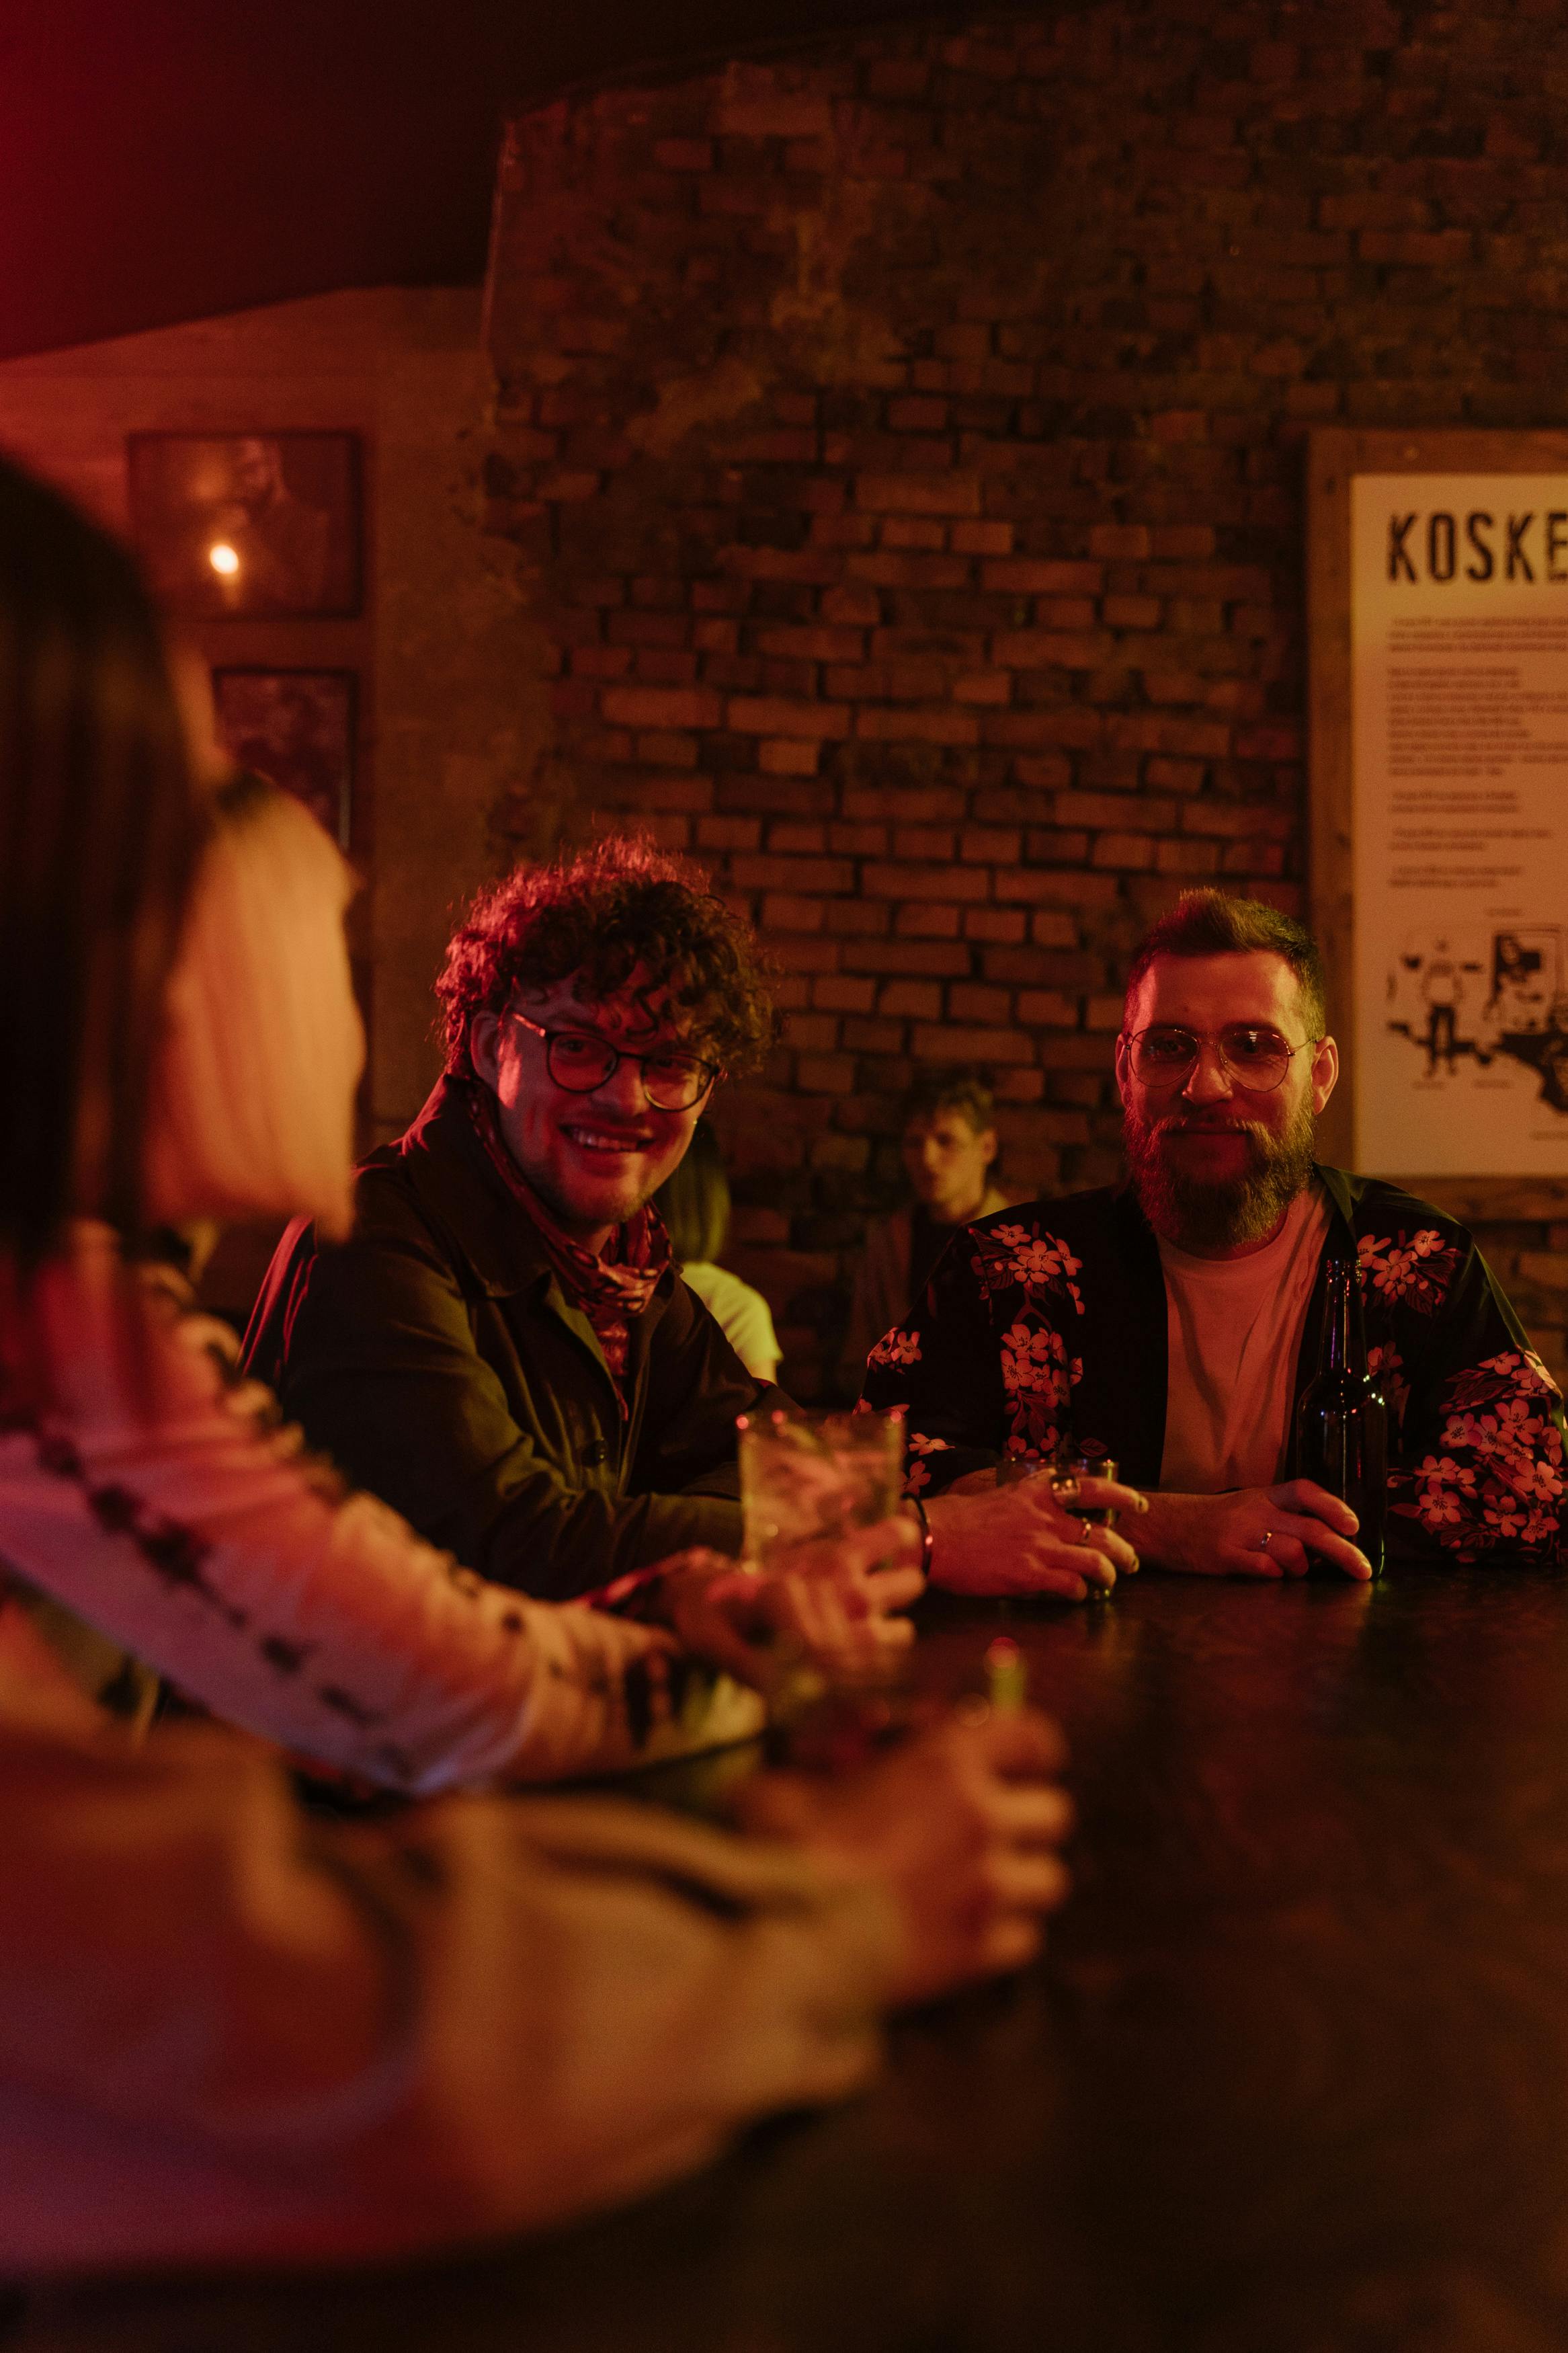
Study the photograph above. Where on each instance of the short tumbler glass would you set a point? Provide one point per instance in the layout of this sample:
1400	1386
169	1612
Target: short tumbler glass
809	1475
1073	1464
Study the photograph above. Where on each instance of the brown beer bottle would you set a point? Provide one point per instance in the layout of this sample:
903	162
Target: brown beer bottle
1342	1423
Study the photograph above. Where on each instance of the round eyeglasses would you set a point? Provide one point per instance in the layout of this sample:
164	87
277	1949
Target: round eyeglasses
1252	1058
580	1060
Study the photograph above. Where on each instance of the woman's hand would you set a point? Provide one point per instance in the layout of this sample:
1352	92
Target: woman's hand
830	1600
961	1826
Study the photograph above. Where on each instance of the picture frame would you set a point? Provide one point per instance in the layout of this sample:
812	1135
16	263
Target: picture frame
248	526
1438	590
295	727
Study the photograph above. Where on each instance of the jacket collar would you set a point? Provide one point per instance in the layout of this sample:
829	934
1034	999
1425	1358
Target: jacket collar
445	1163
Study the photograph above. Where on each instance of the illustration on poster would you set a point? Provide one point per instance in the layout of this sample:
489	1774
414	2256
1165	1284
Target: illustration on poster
1482	994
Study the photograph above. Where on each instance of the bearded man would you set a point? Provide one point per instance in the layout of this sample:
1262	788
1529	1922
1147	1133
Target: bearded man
1172	1323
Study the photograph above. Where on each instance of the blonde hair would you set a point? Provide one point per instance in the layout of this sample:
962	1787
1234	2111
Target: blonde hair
252	1112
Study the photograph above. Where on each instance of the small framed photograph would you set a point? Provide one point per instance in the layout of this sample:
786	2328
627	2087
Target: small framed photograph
248	526
295	727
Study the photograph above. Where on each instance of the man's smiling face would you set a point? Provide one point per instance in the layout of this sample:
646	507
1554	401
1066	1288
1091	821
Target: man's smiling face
594	1158
1214	1164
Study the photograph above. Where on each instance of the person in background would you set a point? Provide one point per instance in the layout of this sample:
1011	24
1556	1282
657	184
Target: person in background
1172	1323
694	1203
949	1147
228	2034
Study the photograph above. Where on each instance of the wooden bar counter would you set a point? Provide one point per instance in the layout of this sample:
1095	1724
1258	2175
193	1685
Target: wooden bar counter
1294	2073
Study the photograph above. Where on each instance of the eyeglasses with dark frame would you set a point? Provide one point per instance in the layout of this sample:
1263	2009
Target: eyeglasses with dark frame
1251	1055
580	1060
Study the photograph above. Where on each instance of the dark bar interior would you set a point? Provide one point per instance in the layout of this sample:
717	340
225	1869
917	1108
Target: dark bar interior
922	649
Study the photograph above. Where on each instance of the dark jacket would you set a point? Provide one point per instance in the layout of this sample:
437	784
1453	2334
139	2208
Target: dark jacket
1050	1321
436	1359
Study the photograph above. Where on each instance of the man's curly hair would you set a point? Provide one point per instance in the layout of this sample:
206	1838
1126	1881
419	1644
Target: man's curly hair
600	914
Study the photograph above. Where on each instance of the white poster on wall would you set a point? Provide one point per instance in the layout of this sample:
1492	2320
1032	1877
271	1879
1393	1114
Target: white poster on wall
1459	654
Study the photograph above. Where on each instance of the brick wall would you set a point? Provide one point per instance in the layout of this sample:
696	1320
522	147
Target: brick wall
902	445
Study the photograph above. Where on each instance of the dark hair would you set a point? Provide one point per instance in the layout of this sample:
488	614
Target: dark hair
1210	922
951	1090
694	1200
101	829
601	914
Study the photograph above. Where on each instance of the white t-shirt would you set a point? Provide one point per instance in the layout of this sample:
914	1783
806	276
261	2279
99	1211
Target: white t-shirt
1234	1334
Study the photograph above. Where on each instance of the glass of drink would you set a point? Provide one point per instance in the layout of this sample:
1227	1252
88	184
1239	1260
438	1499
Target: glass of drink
1072	1465
810	1475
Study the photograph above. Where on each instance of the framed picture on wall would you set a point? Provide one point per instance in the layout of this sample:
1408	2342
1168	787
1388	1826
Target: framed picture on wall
1439	590
248	526
297	727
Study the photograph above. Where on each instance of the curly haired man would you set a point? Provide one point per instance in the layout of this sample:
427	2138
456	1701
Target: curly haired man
502	1349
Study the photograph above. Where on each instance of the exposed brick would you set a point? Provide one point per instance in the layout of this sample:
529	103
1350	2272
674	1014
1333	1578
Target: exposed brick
1049	649
824	644
767	873
952	1043
825	1074
1048	1008
918	999
918	494
889	882
789	756
730	834
1113	539
981	538
653	706
1030	576
925	952
783	912
1128	849
775	715
1005	923
684	154
931	723
842	993
970	1001
986	686
923	841
914	530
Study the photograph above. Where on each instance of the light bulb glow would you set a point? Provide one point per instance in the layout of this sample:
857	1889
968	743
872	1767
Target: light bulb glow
222	558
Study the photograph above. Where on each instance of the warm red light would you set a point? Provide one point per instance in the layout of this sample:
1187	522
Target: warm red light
222	558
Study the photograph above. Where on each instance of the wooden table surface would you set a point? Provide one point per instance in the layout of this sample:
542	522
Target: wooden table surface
1295	2074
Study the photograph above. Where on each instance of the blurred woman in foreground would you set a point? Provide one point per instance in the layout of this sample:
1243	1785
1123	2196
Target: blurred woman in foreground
147	1491
226	2033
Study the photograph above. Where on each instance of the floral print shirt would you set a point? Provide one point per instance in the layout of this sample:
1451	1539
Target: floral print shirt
1048	1322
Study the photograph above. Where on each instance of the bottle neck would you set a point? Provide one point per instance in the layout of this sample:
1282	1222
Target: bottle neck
1344	1342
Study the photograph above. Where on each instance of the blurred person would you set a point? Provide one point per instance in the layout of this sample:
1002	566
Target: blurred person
228	2034
948	1148
694	1202
201	1538
1172	1322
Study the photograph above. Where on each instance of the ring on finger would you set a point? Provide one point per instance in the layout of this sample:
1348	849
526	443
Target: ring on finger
1264	1541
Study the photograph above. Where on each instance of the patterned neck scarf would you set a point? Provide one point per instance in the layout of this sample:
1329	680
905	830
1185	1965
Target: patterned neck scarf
607	1291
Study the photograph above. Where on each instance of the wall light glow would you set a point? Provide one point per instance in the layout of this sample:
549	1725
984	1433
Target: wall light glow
222	558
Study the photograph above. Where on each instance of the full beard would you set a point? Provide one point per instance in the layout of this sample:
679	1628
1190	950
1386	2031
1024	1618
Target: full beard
1199	1213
